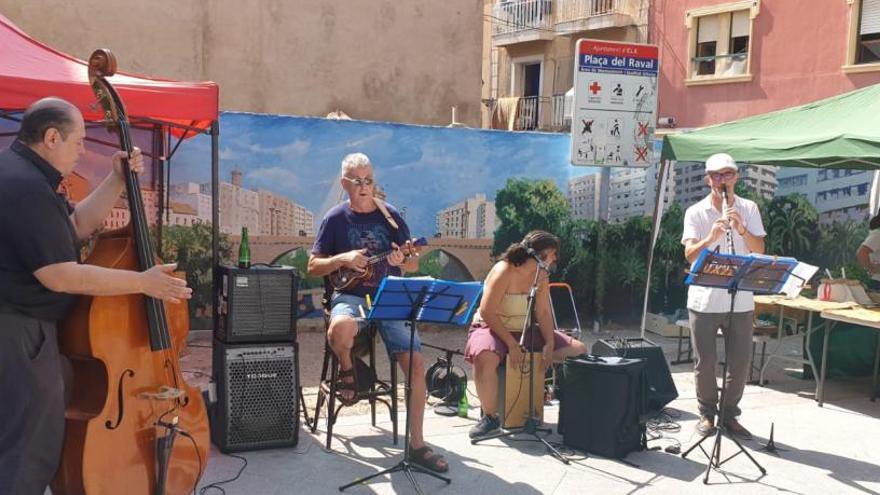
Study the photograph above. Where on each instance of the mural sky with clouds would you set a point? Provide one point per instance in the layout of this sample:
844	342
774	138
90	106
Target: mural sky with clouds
422	169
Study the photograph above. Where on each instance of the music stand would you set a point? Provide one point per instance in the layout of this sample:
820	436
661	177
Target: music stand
755	273
428	300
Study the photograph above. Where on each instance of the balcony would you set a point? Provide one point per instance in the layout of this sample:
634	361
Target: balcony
528	113
561	119
519	21
574	16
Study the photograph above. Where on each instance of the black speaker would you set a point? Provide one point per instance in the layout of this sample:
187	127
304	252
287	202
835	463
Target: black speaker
257	304
602	403
661	388
257	404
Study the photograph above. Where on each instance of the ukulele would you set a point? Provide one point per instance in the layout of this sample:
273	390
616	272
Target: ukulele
346	278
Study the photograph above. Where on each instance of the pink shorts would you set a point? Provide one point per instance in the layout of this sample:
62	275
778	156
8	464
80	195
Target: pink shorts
481	338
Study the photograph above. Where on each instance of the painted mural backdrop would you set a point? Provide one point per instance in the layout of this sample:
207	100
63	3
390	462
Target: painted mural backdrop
421	169
279	175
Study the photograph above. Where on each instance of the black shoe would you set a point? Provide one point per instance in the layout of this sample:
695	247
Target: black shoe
486	426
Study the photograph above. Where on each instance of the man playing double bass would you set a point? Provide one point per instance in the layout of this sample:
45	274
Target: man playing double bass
40	276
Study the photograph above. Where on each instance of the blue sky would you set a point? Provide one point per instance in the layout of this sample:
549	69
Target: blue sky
423	169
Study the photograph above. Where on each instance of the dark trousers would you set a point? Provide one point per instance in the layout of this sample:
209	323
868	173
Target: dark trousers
31	404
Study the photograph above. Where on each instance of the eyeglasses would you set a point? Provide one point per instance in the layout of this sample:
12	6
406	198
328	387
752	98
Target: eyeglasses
720	175
358	182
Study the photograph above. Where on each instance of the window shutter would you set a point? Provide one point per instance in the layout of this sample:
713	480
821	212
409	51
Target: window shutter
870	17
740	25
708	28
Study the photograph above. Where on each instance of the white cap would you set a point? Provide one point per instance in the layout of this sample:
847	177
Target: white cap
720	161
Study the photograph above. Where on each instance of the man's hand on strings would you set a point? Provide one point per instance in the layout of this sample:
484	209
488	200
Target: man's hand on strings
135	162
397	258
355	259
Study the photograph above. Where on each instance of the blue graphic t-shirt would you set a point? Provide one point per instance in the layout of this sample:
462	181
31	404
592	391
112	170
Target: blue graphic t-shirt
343	230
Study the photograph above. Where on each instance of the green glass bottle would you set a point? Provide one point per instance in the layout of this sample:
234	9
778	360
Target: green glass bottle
244	250
462	401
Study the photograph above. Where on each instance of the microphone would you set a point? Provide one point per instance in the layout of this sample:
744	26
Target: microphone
544	266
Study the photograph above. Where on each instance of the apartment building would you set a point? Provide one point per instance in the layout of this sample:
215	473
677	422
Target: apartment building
837	195
473	218
529	55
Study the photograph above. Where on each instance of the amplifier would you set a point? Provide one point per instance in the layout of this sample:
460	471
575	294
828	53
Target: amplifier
257	304
602	403
257	405
661	388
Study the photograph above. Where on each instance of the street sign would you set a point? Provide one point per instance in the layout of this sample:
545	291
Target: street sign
615	104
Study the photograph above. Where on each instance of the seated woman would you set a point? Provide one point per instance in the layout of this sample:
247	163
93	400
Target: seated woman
499	322
868	253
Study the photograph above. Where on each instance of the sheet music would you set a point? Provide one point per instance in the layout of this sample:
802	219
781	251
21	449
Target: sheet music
801	274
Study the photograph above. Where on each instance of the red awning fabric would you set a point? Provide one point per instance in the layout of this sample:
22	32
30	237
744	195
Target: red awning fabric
30	70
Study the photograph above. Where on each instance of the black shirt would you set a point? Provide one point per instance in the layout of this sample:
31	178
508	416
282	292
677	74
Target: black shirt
35	231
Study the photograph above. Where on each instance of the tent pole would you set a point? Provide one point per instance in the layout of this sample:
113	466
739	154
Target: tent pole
874	198
215	219
659	197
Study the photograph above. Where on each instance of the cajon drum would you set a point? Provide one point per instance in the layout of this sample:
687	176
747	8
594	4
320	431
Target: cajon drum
513	393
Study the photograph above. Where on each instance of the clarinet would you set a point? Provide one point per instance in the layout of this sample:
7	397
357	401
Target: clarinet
730	248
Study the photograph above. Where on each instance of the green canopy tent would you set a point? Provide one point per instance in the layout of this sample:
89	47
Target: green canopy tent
838	132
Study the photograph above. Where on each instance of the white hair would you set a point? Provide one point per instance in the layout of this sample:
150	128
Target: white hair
353	161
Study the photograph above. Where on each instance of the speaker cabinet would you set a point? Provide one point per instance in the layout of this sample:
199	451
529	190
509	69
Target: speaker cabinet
257	304
661	388
257	404
602	403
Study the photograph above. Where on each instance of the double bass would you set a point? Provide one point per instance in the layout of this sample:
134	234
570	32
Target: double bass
133	425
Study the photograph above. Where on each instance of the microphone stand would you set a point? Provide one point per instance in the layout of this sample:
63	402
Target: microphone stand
531	426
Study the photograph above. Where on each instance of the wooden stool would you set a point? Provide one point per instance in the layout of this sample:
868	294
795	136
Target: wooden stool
379	390
513	392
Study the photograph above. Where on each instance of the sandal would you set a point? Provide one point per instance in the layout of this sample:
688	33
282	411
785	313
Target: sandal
426	458
343	386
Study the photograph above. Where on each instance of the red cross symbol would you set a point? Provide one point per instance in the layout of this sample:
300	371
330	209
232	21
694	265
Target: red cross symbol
595	88
643	129
641	153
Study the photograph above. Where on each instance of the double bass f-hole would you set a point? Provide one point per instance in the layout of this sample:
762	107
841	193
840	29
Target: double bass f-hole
120	399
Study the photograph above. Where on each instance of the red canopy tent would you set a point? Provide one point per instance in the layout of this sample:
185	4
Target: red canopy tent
30	70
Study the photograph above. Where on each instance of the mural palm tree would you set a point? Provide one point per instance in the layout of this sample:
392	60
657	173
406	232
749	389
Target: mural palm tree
630	272
669	253
839	243
791	226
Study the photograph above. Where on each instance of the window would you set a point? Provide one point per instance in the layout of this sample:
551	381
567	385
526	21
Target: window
720	42
868	42
863	49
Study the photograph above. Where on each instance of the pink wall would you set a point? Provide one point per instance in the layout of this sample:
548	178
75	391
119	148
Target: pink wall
798	48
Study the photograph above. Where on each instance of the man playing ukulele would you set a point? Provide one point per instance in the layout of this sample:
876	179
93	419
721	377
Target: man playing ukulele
350	233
